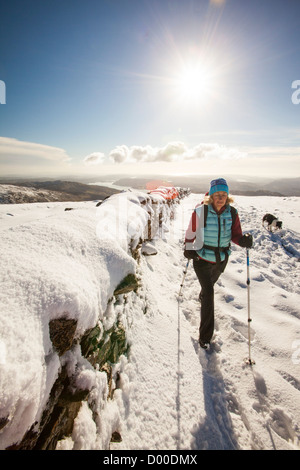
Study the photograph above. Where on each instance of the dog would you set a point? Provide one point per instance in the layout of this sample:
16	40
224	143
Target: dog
271	223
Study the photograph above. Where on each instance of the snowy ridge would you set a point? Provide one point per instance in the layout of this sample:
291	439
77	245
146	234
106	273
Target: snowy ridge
170	394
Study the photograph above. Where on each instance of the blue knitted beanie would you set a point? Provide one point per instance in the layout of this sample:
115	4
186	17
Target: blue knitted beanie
218	185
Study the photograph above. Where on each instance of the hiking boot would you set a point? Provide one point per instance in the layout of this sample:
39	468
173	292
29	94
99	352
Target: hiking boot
203	344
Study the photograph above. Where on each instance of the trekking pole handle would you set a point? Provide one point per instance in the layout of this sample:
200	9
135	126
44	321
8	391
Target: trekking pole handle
248	263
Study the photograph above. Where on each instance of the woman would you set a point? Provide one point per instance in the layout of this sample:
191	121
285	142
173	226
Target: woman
213	225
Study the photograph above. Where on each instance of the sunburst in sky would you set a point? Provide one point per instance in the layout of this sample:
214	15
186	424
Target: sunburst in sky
113	86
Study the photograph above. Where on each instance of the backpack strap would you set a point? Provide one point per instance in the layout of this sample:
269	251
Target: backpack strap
233	213
205	213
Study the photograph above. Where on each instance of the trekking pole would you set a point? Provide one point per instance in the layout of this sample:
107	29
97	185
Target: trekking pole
178	404
249	360
184	274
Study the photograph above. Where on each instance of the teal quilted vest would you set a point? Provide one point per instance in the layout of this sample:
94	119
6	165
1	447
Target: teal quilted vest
217	233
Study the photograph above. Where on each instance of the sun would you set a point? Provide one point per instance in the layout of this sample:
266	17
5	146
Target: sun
194	83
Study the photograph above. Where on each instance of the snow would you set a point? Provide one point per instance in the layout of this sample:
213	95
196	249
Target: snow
170	395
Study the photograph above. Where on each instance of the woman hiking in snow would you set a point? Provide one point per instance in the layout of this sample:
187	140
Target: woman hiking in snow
213	225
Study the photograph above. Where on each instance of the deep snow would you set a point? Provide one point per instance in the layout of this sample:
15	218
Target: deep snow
171	394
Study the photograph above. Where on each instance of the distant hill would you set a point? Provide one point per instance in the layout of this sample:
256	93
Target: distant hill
287	186
42	190
51	191
238	185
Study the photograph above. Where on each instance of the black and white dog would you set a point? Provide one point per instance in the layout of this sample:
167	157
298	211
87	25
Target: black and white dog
271	223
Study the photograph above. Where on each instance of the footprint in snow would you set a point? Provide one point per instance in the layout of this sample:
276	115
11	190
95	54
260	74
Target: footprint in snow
242	329
228	298
259	278
290	379
283	425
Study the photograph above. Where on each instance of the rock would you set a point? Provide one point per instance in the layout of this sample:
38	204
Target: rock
148	249
116	437
3	422
62	332
128	284
111	346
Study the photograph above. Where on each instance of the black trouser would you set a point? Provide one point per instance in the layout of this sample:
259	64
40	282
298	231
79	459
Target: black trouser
208	274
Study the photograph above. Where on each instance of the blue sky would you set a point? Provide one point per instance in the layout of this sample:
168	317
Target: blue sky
146	86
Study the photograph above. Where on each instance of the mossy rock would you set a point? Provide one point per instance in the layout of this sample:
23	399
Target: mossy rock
112	346
108	349
128	284
89	342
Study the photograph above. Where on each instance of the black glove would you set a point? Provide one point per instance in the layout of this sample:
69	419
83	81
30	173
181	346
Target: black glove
246	241
190	254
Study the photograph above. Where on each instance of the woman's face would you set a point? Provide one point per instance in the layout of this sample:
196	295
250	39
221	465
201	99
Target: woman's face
219	199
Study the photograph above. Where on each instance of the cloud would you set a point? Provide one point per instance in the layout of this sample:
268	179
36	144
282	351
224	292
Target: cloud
274	152
94	158
27	150
120	154
19	157
173	152
215	151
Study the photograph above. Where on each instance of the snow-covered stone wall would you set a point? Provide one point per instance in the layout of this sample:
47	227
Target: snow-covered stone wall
65	279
